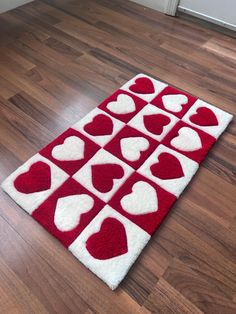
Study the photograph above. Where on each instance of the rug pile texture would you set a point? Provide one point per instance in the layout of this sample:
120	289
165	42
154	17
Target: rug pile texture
104	186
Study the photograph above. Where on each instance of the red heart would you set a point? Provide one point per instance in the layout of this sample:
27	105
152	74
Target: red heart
101	125
155	123
142	85
110	241
36	179
168	167
104	174
204	117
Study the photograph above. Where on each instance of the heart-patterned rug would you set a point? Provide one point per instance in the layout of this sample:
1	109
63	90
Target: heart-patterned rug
105	185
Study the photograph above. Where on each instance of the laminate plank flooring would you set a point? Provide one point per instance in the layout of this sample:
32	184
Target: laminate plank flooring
58	60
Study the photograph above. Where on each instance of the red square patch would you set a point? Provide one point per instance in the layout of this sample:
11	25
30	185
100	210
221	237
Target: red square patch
122	105
131	146
189	141
143	202
68	211
174	101
70	151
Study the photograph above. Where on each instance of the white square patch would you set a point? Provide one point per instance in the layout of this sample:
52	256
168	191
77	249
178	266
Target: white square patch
217	118
30	201
158	87
111	270
148	127
96	123
109	164
176	165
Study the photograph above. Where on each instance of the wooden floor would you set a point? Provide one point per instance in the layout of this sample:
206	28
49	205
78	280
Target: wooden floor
58	60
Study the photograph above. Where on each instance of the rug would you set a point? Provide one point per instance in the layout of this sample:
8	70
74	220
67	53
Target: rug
105	185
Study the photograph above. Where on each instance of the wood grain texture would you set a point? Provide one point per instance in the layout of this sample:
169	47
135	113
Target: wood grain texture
58	60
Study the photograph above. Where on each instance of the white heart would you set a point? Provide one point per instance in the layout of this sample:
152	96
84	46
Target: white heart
174	102
188	140
71	149
142	199
69	209
131	147
124	104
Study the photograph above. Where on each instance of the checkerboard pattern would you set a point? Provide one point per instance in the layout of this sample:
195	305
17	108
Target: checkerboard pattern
105	185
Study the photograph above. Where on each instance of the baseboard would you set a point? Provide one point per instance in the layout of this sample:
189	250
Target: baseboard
207	18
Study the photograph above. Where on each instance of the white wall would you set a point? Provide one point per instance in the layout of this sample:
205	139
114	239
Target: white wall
6	5
221	12
159	5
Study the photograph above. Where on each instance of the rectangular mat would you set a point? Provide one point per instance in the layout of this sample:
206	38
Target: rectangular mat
105	185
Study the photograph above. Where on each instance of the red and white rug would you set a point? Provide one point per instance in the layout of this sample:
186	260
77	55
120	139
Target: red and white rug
105	185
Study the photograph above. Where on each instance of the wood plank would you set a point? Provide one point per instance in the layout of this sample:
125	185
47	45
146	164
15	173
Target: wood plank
42	281
165	299
198	290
